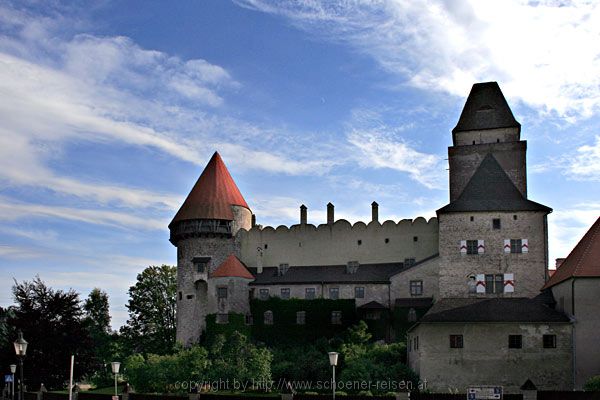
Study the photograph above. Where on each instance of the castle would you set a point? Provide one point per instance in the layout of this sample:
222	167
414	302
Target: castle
469	280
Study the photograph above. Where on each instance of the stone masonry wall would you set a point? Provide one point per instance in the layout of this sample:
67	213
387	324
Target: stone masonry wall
338	243
486	359
464	160
428	272
529	269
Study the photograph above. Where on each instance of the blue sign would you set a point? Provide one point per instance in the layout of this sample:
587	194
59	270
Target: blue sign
8	378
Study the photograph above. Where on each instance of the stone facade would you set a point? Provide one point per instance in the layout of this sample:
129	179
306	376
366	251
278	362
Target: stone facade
457	267
340	242
486	359
578	298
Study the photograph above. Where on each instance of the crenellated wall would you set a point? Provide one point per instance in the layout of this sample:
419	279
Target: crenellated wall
338	243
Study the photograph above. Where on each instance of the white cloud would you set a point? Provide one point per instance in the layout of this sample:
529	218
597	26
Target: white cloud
586	163
545	53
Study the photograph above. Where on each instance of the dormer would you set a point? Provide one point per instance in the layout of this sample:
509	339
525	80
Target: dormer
352	267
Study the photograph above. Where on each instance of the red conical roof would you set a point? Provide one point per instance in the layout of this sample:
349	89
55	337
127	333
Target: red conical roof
213	194
584	260
231	267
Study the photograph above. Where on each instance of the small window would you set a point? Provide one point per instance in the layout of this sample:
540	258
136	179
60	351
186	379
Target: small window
472	247
334	293
249	319
473	142
456	341
412	315
496	223
359	242
180	295
415	238
299	244
264	294
409	262
472	218
515	341
497	140
222	292
516	246
301	317
416	288
515	217
222	318
285	293
309	293
359	292
268	318
416	343
266	246
201	264
387	240
549	341
494	283
189	296
336	317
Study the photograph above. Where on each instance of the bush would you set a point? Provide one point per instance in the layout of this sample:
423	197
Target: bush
593	384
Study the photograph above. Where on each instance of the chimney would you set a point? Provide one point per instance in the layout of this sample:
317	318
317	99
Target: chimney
303	215
253	220
374	211
559	262
330	215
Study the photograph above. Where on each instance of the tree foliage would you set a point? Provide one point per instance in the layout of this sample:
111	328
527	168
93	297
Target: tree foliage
152	302
52	323
593	384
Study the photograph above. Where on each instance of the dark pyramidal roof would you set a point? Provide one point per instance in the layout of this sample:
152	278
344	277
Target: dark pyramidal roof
492	310
213	194
490	189
486	108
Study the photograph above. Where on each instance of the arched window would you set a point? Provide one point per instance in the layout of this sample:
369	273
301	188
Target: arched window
268	317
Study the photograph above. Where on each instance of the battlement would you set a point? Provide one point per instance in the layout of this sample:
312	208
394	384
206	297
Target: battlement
338	242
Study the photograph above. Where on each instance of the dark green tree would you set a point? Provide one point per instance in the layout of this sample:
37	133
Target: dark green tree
52	322
152	301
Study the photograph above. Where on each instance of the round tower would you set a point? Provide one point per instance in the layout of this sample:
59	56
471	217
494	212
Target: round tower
203	230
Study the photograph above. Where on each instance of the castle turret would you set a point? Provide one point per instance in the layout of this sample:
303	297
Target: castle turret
486	125
204	231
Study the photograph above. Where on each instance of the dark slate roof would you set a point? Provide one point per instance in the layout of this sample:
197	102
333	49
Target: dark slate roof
367	273
485	108
490	189
373	305
546	298
528	385
492	310
413	302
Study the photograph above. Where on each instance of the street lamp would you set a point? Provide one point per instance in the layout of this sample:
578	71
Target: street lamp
115	369
20	349
333	359
13	369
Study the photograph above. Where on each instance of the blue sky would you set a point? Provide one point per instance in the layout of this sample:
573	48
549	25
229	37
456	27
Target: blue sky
110	110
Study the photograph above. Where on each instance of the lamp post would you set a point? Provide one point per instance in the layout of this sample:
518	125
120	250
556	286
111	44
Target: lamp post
333	359
20	350
115	369
13	369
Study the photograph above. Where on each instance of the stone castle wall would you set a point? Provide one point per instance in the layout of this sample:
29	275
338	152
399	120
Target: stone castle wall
455	268
338	243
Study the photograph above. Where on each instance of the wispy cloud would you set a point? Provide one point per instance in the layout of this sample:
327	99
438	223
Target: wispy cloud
568	225
585	164
447	45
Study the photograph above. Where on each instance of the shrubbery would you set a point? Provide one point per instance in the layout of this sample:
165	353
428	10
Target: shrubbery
593	384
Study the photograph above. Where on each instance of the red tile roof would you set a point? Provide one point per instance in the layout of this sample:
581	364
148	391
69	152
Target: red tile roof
584	260
213	194
232	267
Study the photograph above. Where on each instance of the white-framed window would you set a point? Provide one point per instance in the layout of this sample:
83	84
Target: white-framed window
285	293
334	293
268	317
336	317
263	294
416	288
359	292
309	293
222	292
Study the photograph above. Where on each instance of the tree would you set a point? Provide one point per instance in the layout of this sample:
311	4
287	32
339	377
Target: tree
52	323
96	311
593	384
152	301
